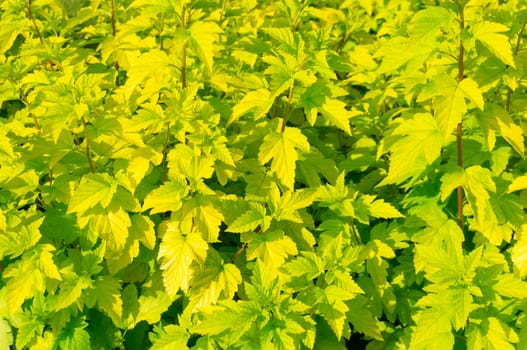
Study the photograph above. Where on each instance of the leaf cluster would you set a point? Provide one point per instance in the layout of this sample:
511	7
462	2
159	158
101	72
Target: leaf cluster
193	174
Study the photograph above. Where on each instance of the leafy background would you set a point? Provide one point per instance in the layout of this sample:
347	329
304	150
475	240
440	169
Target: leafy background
243	174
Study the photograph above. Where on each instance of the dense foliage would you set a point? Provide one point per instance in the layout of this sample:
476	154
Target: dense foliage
245	174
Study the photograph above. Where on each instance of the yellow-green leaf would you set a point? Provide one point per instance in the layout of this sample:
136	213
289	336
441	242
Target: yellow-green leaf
519	183
282	149
336	113
258	102
203	35
496	118
417	144
93	189
272	248
488	33
176	253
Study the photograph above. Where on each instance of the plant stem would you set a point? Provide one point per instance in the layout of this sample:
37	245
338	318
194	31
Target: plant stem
113	18
459	135
459	189
114	32
23	98
356	234
258	230
87	140
275	108
39	34
35	120
342	40
516	50
51	178
184	66
32	19
164	162
287	107
161	41
238	252
183	52
460	59
222	12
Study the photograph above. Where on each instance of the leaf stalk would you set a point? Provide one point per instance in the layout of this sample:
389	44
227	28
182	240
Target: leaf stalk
87	141
183	51
459	129
287	107
164	162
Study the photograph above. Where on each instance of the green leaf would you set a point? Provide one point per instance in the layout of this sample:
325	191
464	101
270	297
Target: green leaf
417	144
282	71
250	220
139	165
168	197
107	293
376	208
326	338
169	337
112	226
449	108
45	262
496	118
70	290
487	33
176	253
93	189
258	102
478	185
6	335
472	91
456	303
214	280
191	163
432	331
314	168
289	204
229	315
519	255
151	64
24	281
152	306
8	33
272	247
203	34
27	330
442	266
203	215
519	183
313	98
490	333
309	264
14	241
362	319
284	36
426	24
511	286
73	336
476	180
333	307
329	194
336	113
282	149
401	52
143	228
208	220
